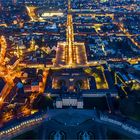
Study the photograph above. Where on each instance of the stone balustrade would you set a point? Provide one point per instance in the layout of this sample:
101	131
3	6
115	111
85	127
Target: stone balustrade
125	126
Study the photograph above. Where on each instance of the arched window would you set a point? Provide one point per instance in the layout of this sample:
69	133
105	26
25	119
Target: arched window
59	135
84	135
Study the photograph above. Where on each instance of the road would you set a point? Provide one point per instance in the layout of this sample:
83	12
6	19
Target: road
70	41
128	35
